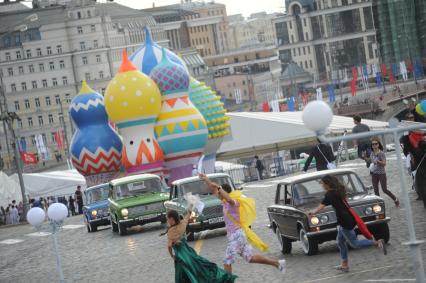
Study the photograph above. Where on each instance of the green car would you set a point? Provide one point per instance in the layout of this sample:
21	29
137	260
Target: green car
212	214
136	200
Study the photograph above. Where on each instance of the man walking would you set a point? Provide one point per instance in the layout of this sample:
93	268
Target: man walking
237	239
79	199
324	157
259	167
363	144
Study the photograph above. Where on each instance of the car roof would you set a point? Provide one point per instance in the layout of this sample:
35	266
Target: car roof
314	175
196	178
96	187
133	178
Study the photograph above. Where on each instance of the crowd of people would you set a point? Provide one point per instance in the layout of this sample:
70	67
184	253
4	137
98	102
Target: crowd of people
12	214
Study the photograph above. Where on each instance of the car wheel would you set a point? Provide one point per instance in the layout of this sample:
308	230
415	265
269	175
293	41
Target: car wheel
114	226
122	230
381	231
285	243
309	245
93	228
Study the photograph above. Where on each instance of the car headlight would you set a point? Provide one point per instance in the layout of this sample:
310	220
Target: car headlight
377	208
124	212
315	220
94	212
368	211
323	219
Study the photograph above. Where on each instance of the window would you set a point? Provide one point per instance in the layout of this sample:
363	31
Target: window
309	50
17	107
306	64
79	15
20	125
29	53
89	14
87	76
98	58
8	56
298	50
62	64
67	98
44	83
101	74
41	67
306	36
95	43
31	68
304	50
33	141
59	49
10	71
51	66
27	104
18	55
24	86
292	39
93	28
310	63
290	25
13	87
84	59
47	100
40	120
30	124
304	22
54	82
79	30
34	84
244	82
21	70
53	137
37	102
61	118
82	45
38	51
57	99
43	136
64	80
49	50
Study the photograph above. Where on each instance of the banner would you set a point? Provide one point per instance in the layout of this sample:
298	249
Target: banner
331	95
403	70
418	69
384	70
28	158
265	107
354	80
59	140
319	93
290	104
22	145
238	96
391	77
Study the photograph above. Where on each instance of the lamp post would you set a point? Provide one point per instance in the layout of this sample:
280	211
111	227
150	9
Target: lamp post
317	117
56	213
67	151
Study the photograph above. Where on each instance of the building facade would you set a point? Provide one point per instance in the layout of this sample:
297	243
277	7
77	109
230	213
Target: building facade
327	37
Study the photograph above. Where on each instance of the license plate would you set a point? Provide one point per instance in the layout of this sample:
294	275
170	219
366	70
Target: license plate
145	217
215	220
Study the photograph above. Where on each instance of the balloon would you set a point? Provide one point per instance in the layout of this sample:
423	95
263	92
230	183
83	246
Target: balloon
423	106
57	211
317	115
36	216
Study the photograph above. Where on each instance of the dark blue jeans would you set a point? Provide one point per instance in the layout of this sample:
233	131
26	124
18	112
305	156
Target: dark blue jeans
345	237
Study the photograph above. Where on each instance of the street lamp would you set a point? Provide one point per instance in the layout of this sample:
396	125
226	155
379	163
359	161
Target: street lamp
317	118
62	121
56	213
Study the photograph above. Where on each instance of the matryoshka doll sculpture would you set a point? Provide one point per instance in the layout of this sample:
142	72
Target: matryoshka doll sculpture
180	129
95	146
133	103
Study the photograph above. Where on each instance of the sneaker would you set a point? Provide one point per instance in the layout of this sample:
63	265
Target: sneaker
342	269
382	246
282	266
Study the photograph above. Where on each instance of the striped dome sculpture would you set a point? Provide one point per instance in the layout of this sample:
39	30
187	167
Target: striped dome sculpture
133	103
149	55
95	146
180	129
210	106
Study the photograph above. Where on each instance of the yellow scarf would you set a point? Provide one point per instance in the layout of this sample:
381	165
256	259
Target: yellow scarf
247	218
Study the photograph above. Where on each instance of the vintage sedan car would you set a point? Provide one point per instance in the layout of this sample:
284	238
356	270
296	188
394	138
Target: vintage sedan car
297	195
212	214
136	200
96	212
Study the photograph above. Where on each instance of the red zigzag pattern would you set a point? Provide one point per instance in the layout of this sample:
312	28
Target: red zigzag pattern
85	165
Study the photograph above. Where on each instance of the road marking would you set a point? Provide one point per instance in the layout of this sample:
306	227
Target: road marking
256	186
39	234
11	241
390	280
351	273
72	226
199	243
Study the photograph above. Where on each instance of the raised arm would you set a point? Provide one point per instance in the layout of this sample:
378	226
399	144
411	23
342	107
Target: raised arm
217	190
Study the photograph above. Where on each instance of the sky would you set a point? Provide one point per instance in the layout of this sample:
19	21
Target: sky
232	6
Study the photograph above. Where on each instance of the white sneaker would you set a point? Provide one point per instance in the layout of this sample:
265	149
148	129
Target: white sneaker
282	266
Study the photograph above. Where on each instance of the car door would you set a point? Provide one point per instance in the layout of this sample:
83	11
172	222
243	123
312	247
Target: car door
279	211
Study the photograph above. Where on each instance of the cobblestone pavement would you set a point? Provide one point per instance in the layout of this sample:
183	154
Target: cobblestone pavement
142	256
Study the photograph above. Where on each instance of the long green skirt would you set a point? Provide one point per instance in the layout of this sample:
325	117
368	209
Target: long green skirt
192	268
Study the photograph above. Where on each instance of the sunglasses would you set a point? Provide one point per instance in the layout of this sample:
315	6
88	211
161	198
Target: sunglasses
374	143
410	117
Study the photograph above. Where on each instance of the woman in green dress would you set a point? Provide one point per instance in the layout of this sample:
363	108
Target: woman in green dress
189	266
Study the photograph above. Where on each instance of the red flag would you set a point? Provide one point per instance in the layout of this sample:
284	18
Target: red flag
59	139
353	87
391	77
410	67
265	107
354	73
383	69
28	158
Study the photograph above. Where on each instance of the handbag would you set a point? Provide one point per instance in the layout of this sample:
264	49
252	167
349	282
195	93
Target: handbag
415	171
359	222
330	165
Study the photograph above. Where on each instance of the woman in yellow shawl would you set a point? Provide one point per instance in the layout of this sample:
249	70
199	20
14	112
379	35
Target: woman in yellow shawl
239	213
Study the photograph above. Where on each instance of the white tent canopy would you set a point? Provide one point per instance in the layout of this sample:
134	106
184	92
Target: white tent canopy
9	190
262	132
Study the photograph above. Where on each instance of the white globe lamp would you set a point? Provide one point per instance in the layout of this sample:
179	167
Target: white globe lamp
36	216
317	116
57	212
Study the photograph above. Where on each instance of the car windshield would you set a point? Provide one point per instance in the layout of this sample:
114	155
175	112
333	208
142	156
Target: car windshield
97	194
199	187
138	188
309	192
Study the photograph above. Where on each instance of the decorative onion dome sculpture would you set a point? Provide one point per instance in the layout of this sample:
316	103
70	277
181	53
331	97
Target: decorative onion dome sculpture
95	146
180	129
210	106
149	55
133	103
